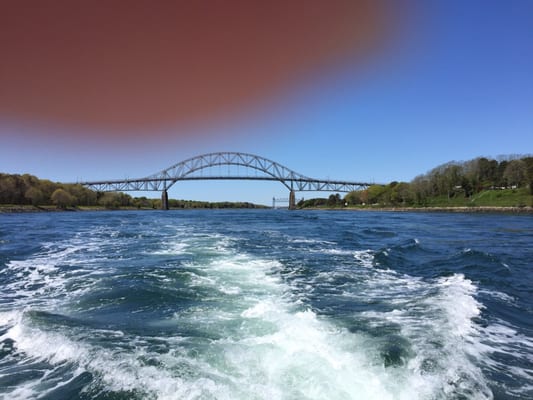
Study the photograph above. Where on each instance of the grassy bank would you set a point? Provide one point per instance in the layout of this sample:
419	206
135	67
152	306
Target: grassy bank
487	198
505	200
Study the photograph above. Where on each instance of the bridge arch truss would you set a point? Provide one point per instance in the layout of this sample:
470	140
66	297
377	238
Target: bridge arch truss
189	169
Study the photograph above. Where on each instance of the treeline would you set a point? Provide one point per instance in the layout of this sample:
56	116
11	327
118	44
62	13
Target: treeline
29	190
449	183
471	177
453	180
206	204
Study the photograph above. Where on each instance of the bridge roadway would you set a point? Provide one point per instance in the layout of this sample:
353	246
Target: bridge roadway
188	169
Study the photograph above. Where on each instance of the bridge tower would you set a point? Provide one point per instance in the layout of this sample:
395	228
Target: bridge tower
164	199
292	200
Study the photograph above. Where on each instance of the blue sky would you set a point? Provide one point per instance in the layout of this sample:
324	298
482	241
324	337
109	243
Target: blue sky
457	83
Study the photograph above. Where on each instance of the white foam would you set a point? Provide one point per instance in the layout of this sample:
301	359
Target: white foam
459	306
265	343
440	330
499	295
310	241
272	349
9	318
298	354
173	249
43	278
260	309
117	370
364	257
335	252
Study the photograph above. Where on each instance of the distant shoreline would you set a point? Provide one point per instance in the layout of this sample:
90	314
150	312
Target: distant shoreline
9	209
12	208
15	209
21	209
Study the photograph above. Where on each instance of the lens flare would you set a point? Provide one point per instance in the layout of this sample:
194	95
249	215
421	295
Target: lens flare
119	66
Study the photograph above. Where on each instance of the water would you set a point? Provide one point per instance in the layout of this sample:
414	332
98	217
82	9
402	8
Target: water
263	304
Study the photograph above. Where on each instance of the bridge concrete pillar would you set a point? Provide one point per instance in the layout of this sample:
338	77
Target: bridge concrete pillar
292	200
164	200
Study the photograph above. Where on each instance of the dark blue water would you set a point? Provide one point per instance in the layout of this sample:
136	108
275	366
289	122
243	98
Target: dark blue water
266	305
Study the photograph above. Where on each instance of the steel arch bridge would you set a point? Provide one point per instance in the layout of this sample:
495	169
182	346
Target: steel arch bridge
192	169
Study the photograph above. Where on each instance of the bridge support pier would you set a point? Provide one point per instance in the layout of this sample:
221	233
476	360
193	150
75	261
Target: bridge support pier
164	200
292	200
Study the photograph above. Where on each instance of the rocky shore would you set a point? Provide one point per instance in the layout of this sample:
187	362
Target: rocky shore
479	209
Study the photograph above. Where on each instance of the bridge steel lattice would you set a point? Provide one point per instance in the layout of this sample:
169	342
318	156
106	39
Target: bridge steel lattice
189	170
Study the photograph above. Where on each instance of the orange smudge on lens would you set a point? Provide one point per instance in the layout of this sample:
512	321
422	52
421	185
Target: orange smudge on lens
140	65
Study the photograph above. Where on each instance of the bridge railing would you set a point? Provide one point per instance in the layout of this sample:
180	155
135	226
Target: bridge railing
158	184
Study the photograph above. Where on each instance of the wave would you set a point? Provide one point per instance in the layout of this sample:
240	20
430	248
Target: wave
197	314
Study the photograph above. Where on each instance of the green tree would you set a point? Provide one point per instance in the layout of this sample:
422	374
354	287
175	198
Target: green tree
486	171
110	200
502	166
334	200
35	196
83	195
401	193
8	188
353	198
375	194
466	184
515	173
62	199
529	172
421	188
143	202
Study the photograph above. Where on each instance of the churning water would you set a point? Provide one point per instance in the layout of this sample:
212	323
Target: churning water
266	305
